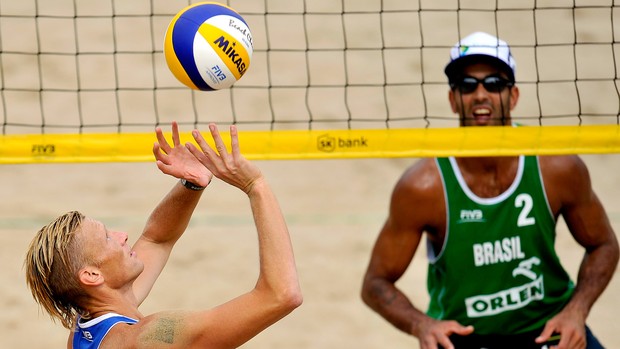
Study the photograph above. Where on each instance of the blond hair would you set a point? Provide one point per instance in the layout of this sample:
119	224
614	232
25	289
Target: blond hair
52	264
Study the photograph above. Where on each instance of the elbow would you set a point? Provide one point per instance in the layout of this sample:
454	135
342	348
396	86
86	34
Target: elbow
371	288
282	299
365	293
290	298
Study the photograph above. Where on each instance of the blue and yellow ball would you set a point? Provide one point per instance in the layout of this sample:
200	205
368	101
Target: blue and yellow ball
208	46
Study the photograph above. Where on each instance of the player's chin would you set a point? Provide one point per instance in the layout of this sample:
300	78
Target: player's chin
139	268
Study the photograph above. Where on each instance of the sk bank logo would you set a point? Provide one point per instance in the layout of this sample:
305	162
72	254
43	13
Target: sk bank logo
326	143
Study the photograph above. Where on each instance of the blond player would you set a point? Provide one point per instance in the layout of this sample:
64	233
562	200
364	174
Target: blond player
88	277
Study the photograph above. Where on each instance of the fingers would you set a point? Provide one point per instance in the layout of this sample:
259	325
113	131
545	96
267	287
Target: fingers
453	327
161	139
464	330
442	342
176	140
220	150
445	343
436	334
198	153
202	143
568	337
546	334
219	143
163	144
234	142
157	152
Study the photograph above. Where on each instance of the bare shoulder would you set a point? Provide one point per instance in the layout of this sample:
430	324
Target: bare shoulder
418	200
561	163
154	331
566	179
420	177
564	169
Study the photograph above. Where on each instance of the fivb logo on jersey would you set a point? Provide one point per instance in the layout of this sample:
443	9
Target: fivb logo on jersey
471	216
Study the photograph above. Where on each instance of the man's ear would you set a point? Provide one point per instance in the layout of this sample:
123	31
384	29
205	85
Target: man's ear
451	98
90	276
514	97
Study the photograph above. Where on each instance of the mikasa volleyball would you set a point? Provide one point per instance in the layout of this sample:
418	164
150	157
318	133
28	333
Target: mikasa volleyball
208	46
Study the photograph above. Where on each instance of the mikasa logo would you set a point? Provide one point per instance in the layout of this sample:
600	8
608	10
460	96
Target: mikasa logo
471	216
229	50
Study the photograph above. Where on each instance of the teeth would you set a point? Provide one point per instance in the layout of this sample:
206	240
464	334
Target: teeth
482	112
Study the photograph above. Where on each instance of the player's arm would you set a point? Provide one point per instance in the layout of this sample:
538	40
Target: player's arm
414	208
276	292
587	221
171	216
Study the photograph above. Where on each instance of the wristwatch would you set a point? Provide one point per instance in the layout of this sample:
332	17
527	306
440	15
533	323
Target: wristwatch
189	185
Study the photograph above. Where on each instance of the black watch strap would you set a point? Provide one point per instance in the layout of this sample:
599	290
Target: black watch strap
189	185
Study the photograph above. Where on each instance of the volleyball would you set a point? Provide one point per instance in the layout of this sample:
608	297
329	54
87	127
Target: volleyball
208	46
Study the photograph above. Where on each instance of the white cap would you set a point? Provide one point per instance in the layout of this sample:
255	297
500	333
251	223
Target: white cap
481	47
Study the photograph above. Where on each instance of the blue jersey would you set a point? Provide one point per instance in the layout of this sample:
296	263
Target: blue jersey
91	333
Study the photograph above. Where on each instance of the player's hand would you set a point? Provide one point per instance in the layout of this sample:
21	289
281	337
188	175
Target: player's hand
571	328
230	167
433	333
177	160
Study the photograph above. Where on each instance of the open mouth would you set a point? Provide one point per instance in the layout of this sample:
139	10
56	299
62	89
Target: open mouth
482	114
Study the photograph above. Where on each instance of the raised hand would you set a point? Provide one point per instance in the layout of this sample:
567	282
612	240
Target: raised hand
231	167
177	160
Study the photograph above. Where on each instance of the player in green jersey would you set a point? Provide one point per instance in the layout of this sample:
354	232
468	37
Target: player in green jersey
494	278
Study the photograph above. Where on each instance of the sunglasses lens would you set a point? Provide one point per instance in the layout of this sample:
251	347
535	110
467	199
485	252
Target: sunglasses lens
494	84
468	85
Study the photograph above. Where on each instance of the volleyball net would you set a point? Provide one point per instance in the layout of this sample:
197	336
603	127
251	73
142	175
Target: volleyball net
86	81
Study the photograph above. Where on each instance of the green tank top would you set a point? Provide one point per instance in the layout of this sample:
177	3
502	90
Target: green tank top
497	269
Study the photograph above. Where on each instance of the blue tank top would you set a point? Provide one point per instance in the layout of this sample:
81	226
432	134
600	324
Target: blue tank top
91	333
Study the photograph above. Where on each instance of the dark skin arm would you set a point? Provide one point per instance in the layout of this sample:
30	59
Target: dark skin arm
416	207
572	197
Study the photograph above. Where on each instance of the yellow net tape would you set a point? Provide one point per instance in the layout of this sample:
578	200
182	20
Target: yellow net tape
326	144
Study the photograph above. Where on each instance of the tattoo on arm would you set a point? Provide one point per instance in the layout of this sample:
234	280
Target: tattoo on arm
385	294
163	330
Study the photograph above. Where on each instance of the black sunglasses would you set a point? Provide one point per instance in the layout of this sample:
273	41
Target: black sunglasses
492	84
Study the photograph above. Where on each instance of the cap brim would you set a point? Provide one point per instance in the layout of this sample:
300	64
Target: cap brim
455	68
